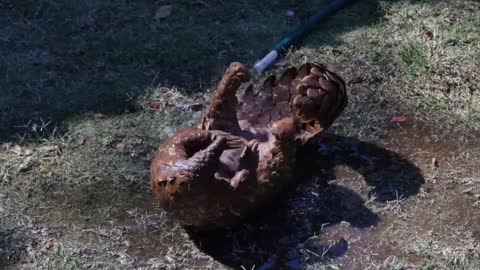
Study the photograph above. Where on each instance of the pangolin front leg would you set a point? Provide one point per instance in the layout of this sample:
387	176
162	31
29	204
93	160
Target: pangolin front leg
189	155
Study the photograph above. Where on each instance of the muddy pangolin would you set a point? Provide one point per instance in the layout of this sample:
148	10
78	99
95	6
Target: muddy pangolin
240	155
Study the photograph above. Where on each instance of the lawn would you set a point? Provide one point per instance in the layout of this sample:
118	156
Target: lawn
91	88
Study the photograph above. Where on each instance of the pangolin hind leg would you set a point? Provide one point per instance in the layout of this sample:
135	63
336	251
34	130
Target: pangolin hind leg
222	113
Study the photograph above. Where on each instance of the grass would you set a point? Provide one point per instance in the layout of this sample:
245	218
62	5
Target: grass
91	88
61	259
395	264
413	55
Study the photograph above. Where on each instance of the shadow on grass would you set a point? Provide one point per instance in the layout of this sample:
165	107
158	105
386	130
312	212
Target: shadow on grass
292	234
61	59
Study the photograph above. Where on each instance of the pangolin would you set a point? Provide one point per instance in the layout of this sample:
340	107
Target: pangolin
241	154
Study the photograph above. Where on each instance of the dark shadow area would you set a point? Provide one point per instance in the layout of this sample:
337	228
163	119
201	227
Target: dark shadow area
391	176
291	233
61	59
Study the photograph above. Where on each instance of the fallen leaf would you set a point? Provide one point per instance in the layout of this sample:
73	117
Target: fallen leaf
50	244
120	147
163	12
152	106
399	119
80	140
